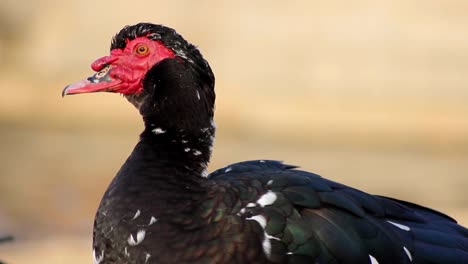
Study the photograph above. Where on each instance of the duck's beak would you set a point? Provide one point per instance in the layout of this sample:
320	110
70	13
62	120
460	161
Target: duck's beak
99	82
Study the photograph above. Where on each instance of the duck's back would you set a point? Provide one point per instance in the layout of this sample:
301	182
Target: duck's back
305	218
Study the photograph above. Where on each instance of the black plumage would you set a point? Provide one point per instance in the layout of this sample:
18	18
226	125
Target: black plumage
162	207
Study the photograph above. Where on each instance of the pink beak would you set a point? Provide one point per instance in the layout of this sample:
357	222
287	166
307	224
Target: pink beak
99	82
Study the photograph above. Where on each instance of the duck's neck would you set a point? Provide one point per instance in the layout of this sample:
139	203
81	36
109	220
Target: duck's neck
166	169
179	148
177	109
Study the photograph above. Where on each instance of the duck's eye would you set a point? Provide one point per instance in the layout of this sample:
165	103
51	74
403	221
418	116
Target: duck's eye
142	49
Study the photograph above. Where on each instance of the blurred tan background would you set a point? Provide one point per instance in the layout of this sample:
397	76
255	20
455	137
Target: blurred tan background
369	93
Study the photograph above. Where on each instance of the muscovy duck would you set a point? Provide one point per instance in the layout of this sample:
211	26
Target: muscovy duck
163	207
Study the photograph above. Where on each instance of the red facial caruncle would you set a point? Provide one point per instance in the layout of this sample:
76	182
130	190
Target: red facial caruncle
124	69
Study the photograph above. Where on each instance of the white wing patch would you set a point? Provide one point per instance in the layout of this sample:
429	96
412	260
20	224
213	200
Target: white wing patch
402	227
158	131
96	259
373	260
272	237
139	238
266	243
148	255
408	254
152	220
137	214
267	199
260	219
